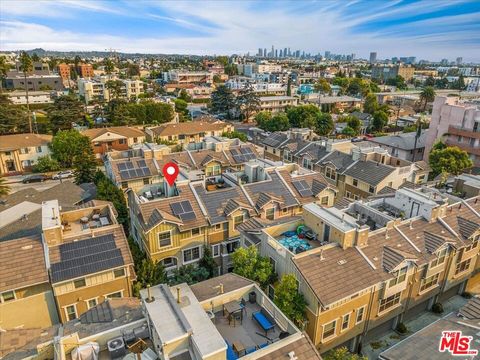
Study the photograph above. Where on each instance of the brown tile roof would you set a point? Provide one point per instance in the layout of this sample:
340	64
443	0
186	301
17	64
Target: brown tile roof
149	218
18	141
204	156
471	310
207	289
391	258
23	263
462	219
303	349
188	128
324	269
19	344
126	131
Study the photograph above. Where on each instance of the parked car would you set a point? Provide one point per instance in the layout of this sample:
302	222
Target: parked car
63	175
34	178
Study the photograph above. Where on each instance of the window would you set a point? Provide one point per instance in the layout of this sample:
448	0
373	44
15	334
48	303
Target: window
190	255
146	181
237	220
360	315
135	140
324	200
119	273
92	303
218	227
232	246
164	239
471	246
71	312
8	296
355	182
270	213
429	282
195	231
114	295
121	141
39	149
274	263
216	250
329	329
79	283
441	256
348	194
371	189
400	277
330	173
124	184
345	321
463	266
169	262
271	292
389	302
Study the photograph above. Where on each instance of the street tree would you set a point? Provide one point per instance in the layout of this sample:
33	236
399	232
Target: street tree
304	116
45	164
64	112
450	160
247	102
67	145
342	353
427	95
13	119
322	86
85	166
371	104
380	120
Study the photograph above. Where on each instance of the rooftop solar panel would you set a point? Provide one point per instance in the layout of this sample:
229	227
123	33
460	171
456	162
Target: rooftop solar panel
176	208
303	188
184	210
122	166
129	165
124	175
141	163
234	152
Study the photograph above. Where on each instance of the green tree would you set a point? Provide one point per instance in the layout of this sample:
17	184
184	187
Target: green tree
289	86
108	66
451	160
427	95
277	122
4	67
115	88
4	187
26	66
371	104
13	119
354	123
149	273
248	263
290	300
322	86
325	124
67	145
342	354
181	107
380	120
184	96
430	81
304	116
460	83
107	190
158	113
45	164
189	274
223	101
207	262
230	69
133	70
64	112
85	166
398	81
247	102
349	131
235	135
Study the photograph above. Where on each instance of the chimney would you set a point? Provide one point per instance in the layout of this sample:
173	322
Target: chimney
150	298
178	295
221	288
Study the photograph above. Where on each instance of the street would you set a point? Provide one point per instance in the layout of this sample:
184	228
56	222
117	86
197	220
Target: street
15	183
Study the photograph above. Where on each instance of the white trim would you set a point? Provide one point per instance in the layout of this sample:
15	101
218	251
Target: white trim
219	245
334	335
343	320
96	302
190	248
363	314
106	296
66	313
158	239
471	208
366	258
2	301
448	227
406	238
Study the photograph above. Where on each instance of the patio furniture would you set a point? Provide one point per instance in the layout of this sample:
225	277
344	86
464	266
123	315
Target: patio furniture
262	320
238	347
230	352
233	308
104	221
95	216
148	195
128	336
84	219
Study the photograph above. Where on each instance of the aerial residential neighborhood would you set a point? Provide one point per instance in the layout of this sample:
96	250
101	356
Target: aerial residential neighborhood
222	180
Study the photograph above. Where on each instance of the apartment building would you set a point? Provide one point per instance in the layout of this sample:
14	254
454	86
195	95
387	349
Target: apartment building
370	266
188	132
386	72
277	103
188	77
89	260
20	152
84	70
40	78
330	103
96	89
193	90
34	97
26	297
64	71
115	138
238	83
457	122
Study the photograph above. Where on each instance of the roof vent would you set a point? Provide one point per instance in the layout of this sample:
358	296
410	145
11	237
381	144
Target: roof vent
27	247
291	356
342	262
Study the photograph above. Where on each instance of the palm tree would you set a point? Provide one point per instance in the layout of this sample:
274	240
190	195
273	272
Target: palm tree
26	65
427	95
4	188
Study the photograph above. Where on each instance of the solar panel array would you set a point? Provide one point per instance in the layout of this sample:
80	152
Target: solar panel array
183	210
85	257
274	139
245	154
129	171
303	188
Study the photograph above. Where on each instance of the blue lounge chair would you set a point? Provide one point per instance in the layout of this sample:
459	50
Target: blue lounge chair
231	355
262	320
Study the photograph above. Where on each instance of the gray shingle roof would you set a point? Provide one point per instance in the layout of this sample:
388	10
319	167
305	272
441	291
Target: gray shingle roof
340	160
471	310
402	141
433	242
467	227
369	172
275	139
273	187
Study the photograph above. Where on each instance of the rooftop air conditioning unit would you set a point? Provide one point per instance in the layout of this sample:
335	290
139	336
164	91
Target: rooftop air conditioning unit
116	348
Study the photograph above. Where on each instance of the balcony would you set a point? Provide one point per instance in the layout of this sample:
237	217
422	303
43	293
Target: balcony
471	149
462	131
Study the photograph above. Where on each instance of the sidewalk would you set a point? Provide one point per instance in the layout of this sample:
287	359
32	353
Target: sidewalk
414	325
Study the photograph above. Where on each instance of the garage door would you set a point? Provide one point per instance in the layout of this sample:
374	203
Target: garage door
450	292
416	310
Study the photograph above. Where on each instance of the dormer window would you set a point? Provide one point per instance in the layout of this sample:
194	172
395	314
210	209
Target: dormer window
441	256
400	277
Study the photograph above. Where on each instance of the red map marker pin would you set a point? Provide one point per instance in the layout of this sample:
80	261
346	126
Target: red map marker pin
170	171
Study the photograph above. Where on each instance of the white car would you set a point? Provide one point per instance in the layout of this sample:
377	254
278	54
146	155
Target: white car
63	175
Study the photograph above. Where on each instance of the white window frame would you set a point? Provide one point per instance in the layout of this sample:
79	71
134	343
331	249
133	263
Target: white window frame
363	314
431	285
66	312
106	296
395	303
218	247
117	277
466	268
443	255
191	249
80	287
403	272
2	300
266	213
343	321
199	232
233	220
334	331
170	236
88	300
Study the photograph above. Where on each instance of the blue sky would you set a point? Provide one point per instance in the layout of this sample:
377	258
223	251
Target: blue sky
426	29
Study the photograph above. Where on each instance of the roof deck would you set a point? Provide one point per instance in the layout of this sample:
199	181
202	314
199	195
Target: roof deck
86	220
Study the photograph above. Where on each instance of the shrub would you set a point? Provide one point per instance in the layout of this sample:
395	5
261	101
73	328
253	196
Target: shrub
401	328
437	308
